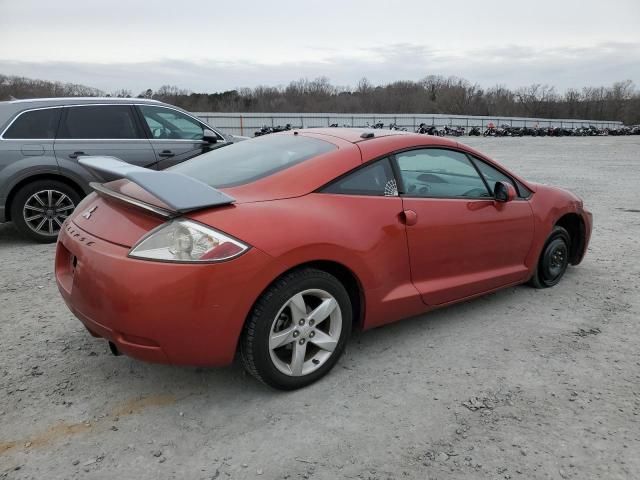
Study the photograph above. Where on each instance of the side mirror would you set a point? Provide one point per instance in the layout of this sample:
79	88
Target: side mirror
504	192
209	136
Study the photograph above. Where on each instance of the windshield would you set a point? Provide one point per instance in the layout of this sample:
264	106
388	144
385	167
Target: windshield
250	160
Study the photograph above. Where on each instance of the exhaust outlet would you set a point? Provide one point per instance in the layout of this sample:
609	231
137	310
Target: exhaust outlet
114	349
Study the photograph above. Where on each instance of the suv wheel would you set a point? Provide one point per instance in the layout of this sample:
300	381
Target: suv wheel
40	208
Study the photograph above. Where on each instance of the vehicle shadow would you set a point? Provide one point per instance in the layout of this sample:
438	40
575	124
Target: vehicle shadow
10	237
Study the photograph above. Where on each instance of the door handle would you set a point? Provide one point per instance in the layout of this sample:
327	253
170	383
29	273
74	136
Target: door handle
166	153
410	217
75	155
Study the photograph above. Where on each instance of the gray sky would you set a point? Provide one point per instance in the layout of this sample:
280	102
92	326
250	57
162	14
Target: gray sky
212	46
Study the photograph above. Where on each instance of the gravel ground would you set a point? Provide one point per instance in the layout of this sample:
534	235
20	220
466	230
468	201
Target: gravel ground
522	383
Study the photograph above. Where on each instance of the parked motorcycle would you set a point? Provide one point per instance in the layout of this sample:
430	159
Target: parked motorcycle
620	131
429	130
267	130
475	132
491	131
453	131
509	131
263	131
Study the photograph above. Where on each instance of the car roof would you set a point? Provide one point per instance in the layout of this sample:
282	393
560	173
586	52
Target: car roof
54	101
352	150
12	107
358	135
353	135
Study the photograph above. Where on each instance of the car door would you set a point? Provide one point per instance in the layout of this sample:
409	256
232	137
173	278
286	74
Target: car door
461	241
26	149
367	200
175	136
108	130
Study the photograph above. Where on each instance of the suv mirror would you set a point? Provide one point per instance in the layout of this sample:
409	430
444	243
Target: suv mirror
504	192
209	136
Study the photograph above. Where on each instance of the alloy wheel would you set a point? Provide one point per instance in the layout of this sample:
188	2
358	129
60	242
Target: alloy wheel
45	211
305	332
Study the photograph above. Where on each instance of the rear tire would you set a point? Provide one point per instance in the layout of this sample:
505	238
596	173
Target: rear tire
39	209
554	259
297	330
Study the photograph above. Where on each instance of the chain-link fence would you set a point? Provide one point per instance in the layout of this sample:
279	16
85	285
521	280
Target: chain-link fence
248	123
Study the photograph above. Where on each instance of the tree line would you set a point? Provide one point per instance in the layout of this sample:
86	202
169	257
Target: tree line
433	94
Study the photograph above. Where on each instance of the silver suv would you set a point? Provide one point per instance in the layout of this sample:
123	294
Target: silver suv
41	180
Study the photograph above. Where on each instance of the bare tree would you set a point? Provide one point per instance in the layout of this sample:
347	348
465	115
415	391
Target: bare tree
432	94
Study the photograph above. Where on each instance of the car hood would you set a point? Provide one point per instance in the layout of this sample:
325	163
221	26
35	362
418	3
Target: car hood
571	197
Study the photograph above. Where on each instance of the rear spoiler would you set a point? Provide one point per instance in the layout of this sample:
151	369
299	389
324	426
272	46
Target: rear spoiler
179	192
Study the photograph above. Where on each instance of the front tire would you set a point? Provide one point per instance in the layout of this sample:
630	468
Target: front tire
554	259
297	330
40	208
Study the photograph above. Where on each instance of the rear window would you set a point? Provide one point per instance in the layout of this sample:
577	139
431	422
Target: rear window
250	160
35	124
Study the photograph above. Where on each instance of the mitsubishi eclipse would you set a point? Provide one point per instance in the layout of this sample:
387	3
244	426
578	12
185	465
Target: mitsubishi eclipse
277	247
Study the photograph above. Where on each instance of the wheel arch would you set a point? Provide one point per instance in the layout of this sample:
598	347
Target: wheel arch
37	177
349	280
574	224
344	274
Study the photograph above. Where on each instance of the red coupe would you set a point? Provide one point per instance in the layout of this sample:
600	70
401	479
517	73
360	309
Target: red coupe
278	246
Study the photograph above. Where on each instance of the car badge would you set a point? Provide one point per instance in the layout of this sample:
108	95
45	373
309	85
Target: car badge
88	213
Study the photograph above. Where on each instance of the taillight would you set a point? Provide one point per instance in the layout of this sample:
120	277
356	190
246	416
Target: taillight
187	241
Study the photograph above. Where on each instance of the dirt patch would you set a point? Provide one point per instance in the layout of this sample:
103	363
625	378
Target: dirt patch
63	430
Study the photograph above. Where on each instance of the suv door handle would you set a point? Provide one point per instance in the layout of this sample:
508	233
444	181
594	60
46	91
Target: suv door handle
76	154
410	217
166	153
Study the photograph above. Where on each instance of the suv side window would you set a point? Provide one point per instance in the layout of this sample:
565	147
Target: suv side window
437	172
35	124
165	123
102	122
493	175
375	179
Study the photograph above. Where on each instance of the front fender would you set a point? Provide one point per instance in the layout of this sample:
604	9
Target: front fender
550	204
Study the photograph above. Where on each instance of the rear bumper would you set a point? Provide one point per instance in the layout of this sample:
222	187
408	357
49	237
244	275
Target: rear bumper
158	312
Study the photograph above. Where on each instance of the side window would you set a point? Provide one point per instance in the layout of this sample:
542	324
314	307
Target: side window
435	172
523	192
376	179
36	124
100	122
493	175
165	123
